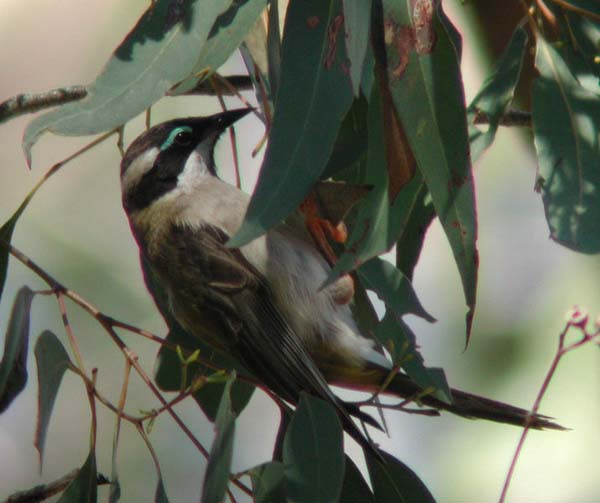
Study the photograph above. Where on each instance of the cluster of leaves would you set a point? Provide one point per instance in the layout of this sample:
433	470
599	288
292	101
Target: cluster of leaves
368	93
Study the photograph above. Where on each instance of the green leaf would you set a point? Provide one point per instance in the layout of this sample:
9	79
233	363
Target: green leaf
313	453
497	92
84	487
357	22
159	52
355	489
351	142
13	366
274	48
566	118
268	483
160	495
394	482
401	342
426	86
392	287
52	362
376	225
216	477
225	37
313	98
417	219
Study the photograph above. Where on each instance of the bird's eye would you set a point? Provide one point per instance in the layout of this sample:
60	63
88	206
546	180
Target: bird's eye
183	138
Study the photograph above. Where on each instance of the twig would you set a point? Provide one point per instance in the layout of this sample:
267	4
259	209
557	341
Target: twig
34	102
579	10
578	319
510	118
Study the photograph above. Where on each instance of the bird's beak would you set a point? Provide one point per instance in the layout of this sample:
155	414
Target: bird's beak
223	120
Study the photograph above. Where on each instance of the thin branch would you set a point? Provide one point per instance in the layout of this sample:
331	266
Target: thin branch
27	103
578	320
510	118
34	102
578	10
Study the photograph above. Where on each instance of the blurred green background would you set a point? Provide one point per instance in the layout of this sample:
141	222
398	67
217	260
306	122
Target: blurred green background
76	230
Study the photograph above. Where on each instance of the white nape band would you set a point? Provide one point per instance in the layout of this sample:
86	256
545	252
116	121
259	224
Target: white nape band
138	168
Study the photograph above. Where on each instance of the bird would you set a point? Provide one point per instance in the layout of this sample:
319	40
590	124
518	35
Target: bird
262	303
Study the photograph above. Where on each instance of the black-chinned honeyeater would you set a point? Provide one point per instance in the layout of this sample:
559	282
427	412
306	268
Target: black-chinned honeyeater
261	303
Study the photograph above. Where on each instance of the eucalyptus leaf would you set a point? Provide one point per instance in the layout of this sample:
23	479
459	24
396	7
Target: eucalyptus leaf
313	97
313	453
354	488
426	85
159	52
566	118
394	482
268	483
226	35
357	22
218	468
84	487
52	362
497	92
13	366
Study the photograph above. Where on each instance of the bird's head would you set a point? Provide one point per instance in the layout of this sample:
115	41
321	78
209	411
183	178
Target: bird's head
171	155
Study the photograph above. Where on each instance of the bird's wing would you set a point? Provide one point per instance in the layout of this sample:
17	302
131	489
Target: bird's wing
257	333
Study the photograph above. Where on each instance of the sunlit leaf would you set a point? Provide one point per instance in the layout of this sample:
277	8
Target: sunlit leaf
394	482
497	92
159	52
226	35
84	487
216	477
313	98
52	362
313	453
566	118
423	69
13	366
268	483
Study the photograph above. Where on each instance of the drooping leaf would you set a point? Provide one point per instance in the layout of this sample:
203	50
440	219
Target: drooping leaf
159	52
268	483
354	488
84	487
218	468
13	366
395	335
423	70
274	48
313	98
160	495
497	93
351	142
376	225
227	33
394	482
417	219
357	22
52	362
313	453
392	287
566	118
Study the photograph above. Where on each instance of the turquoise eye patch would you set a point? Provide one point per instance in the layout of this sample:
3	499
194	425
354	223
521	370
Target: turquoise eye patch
171	138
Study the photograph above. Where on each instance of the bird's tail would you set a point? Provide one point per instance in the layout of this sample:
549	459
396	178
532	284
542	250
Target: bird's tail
471	406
